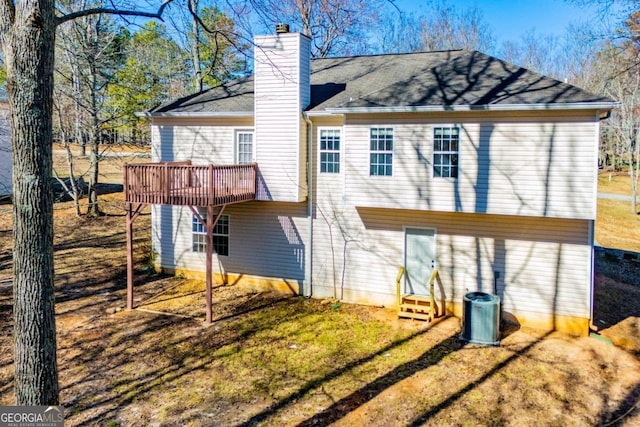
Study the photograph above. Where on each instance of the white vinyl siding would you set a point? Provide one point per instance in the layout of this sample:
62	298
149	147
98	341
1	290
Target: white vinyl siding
203	141
543	263
535	165
265	239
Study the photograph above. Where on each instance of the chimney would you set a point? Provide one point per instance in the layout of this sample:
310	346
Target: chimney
282	91
282	28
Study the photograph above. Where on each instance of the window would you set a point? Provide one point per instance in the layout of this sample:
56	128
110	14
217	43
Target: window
445	151
330	150
381	152
244	147
220	235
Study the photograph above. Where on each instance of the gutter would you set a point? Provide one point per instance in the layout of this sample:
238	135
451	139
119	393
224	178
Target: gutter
309	270
197	114
489	107
321	113
592	325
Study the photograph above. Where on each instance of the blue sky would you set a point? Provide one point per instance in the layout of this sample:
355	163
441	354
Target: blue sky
510	19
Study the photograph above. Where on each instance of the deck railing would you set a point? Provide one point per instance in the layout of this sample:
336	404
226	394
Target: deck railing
181	183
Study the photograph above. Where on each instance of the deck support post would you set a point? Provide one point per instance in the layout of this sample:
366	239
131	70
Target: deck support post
132	214
209	269
210	224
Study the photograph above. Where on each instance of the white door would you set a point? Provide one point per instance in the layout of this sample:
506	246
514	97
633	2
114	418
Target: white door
420	259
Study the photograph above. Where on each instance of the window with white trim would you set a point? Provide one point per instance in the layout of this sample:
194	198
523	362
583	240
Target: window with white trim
244	147
220	235
329	150
381	151
446	146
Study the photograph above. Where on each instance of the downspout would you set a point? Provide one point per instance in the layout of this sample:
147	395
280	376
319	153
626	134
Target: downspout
592	326
309	270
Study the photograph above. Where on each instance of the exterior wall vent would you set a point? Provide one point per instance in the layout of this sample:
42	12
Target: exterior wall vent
282	28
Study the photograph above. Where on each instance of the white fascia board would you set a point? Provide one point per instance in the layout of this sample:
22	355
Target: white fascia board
322	113
197	114
489	107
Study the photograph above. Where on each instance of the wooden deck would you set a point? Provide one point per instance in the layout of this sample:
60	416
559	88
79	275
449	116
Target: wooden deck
181	183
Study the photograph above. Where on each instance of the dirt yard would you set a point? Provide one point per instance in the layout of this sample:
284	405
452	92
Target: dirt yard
269	359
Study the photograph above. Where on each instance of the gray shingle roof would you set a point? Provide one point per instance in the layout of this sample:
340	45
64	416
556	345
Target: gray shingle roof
448	78
235	96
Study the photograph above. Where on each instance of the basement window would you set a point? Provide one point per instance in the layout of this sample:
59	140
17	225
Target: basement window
220	235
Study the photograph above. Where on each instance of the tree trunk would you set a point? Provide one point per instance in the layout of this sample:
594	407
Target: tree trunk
634	171
94	156
195	49
75	76
94	173
28	48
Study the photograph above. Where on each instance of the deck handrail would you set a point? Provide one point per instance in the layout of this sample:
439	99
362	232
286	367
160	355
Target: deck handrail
181	183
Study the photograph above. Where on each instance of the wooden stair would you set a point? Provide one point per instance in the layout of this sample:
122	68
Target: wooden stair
417	307
421	307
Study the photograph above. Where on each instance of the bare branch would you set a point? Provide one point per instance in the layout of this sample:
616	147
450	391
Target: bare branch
103	10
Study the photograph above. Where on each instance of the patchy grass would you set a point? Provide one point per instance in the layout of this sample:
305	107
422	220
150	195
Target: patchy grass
616	226
270	359
614	183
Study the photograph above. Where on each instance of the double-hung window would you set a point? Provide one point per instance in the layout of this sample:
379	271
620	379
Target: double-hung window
220	235
329	150
381	151
244	147
446	146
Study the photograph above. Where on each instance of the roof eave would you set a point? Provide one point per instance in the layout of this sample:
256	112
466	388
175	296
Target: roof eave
604	105
196	114
322	113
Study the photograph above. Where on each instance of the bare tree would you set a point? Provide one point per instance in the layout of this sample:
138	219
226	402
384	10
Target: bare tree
91	50
447	27
619	77
396	33
335	26
537	52
72	188
442	26
214	48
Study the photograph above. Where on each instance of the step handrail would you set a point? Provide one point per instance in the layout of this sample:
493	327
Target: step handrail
433	308
432	299
398	293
